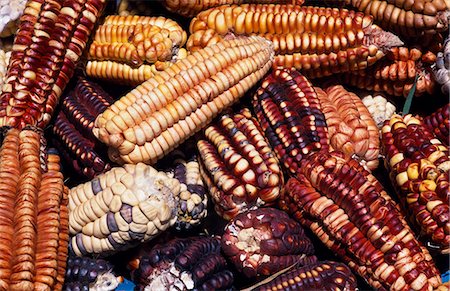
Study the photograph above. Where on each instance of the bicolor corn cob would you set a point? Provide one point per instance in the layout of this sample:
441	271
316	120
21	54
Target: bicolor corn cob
419	167
33	213
441	69
72	129
131	49
121	208
193	263
438	123
238	165
265	241
190	8
167	109
379	107
289	112
351	128
90	274
325	275
317	41
396	74
51	38
347	208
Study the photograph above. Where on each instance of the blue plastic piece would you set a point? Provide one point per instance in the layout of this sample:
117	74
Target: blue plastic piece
126	285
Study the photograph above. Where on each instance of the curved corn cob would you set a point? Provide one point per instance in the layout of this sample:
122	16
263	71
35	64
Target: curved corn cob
347	208
419	165
193	263
351	128
10	12
395	75
51	38
238	165
72	129
265	241
121	208
325	275
438	122
167	109
5	56
288	109
379	107
190	8
33	213
317	41
441	69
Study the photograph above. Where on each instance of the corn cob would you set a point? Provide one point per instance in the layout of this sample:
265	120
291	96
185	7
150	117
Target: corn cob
347	208
4	62
51	38
441	69
317	41
72	130
379	107
351	128
193	201
289	112
33	207
395	74
325	275
90	274
190	8
120	208
419	168
438	123
193	263
167	109
10	12
265	241
238	165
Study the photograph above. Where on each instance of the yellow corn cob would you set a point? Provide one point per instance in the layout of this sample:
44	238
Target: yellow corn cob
164	111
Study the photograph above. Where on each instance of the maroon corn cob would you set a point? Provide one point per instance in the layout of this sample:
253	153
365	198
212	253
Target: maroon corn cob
438	123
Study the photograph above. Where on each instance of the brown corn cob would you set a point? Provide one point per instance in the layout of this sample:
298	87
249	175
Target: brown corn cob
325	275
121	208
419	167
395	74
72	130
32	213
238	165
351	128
289	112
347	208
51	38
167	109
317	41
264	241
438	123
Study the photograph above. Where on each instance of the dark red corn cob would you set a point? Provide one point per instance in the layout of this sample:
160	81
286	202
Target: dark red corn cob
265	241
289	112
325	275
50	40
73	128
347	208
438	122
186	264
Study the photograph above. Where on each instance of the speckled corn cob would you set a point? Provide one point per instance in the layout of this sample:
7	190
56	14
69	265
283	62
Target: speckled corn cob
72	129
33	213
4	62
193	199
325	275
347	208
317	41
238	165
288	109
419	165
441	69
351	128
379	107
395	74
193	263
265	241
51	38
167	109
120	208
90	274
438	123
